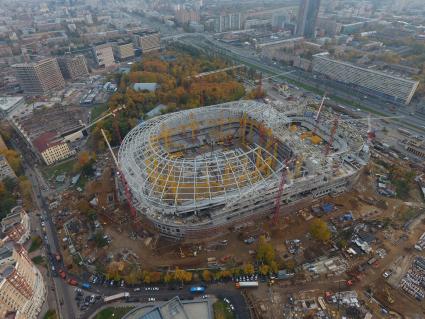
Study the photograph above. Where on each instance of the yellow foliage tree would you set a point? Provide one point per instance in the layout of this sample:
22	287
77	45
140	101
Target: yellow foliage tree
206	275
249	269
320	230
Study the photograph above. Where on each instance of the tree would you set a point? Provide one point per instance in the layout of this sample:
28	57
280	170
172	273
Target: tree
249	269
26	190
168	277
265	251
132	278
14	159
83	206
320	230
264	269
206	275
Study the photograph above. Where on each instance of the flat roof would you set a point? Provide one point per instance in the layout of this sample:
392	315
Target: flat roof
7	102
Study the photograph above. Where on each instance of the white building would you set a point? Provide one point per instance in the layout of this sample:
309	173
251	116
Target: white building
8	104
16	226
104	55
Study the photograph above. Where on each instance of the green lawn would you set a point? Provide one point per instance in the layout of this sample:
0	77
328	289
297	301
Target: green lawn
35	243
222	311
117	312
64	167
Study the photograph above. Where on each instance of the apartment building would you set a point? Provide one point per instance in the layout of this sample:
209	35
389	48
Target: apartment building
123	51
147	41
16	226
104	55
385	86
39	78
5	169
228	22
22	288
73	67
52	148
307	16
184	16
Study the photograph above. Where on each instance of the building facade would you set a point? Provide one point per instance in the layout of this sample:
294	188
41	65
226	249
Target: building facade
307	16
379	84
123	51
184	16
8	104
22	288
5	169
16	226
228	22
73	67
104	55
148	41
39	78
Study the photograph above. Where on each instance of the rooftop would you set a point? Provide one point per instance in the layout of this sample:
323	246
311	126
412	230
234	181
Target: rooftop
7	102
145	86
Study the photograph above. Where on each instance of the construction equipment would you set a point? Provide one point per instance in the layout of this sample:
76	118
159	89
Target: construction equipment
124	182
319	111
332	137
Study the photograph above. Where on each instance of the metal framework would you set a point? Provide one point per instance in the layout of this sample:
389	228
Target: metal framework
199	168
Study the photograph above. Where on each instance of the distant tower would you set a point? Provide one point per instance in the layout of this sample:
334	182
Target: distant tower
307	16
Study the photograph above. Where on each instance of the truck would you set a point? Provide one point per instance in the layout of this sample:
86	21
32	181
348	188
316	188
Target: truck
121	295
247	284
85	285
197	289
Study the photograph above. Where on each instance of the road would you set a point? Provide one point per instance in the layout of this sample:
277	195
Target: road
411	120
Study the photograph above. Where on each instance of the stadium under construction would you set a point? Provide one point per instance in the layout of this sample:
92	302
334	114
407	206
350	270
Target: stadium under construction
198	173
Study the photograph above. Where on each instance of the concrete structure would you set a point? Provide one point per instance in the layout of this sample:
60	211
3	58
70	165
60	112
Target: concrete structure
10	103
104	55
16	226
73	67
39	78
22	289
174	309
5	169
151	87
382	85
50	131
307	16
123	51
147	41
195	173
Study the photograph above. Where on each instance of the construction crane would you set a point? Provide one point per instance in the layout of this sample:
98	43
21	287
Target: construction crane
319	111
123	181
230	68
331	138
112	113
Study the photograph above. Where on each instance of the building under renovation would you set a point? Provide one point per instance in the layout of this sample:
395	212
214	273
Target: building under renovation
197	173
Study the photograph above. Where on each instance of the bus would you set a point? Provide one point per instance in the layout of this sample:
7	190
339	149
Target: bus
322	303
197	289
121	295
247	284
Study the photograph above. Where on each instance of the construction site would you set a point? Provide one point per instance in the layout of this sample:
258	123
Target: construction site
199	173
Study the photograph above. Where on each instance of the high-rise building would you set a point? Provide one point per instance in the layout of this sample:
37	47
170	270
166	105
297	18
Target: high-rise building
228	22
385	86
123	51
16	226
147	41
39	78
104	55
5	169
184	16
307	16
22	289
73	67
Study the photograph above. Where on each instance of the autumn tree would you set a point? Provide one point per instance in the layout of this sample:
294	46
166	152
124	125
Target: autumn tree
207	275
249	269
26	190
265	251
320	230
264	269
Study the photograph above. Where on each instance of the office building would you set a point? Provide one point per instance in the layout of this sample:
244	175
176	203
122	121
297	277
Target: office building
5	169
22	289
307	16
385	86
104	55
39	78
123	51
147	41
73	67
